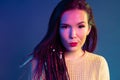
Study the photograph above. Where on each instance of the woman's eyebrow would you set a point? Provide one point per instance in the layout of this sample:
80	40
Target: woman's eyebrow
81	22
64	24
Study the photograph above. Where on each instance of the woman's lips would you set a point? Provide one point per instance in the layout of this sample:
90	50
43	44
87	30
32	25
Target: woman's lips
73	44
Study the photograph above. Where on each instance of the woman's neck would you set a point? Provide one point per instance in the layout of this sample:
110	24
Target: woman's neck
73	55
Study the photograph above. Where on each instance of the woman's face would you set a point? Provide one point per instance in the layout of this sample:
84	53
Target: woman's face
73	29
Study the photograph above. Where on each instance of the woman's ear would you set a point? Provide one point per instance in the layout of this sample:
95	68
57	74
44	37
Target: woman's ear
89	29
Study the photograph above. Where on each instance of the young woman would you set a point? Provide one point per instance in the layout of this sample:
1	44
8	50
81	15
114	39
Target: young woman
66	52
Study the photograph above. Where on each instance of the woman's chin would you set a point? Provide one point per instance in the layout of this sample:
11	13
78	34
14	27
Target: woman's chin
72	49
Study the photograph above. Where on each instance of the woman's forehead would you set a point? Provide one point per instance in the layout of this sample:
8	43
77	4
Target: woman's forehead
72	16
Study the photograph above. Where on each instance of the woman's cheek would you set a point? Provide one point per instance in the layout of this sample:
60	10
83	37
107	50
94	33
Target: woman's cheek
81	34
63	33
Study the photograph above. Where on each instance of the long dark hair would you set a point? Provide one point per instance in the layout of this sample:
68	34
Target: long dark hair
49	53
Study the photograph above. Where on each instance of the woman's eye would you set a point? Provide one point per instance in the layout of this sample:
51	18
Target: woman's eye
81	26
64	26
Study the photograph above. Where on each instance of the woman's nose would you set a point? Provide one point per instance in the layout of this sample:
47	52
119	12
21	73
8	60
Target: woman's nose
72	33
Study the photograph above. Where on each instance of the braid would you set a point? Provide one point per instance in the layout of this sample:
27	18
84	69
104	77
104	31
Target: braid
55	67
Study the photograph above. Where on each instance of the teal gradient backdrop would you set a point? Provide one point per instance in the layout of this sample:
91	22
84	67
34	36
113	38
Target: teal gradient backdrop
23	23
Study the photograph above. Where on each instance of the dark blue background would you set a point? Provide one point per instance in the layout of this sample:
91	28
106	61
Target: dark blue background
23	24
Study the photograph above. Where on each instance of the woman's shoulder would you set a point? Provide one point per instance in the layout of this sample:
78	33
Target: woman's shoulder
100	63
95	57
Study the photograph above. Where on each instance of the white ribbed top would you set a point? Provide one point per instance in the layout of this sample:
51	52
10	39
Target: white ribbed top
89	67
